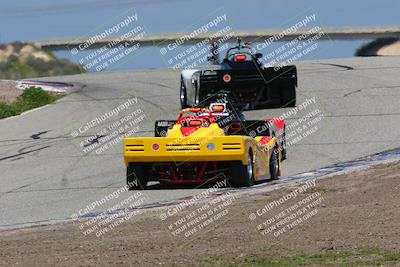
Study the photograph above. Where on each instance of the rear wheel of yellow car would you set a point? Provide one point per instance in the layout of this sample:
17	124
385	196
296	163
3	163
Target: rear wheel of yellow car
274	165
242	175
136	176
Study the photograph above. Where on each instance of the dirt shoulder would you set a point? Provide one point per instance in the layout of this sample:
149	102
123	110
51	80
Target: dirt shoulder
342	220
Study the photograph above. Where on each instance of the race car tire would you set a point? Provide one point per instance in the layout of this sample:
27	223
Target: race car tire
288	96
183	96
283	146
136	176
242	175
274	166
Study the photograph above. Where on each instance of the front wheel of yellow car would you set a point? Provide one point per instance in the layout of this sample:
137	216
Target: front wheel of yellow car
136	176
242	175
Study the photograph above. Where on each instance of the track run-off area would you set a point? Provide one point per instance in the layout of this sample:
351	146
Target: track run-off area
346	109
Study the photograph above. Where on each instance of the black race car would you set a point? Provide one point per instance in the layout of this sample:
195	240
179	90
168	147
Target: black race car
241	73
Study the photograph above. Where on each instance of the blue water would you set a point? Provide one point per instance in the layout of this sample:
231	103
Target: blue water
47	19
150	57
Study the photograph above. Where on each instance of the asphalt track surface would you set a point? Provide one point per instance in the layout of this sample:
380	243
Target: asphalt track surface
46	176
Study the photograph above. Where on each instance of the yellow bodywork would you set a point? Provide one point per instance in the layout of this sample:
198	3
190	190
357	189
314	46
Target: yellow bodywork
204	144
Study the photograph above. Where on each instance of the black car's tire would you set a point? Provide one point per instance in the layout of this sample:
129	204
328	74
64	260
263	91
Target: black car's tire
197	97
242	175
288	96
137	176
183	96
274	166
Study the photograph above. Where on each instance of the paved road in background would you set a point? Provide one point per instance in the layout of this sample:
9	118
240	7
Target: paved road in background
46	176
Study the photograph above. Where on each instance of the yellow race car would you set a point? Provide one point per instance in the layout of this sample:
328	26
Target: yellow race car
205	144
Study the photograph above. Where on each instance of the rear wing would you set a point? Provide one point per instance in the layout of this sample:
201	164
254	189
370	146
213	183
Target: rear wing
248	128
216	80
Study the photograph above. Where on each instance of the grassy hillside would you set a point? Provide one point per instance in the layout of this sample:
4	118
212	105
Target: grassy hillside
21	60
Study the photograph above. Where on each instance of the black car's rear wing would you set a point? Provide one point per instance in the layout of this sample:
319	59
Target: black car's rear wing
226	79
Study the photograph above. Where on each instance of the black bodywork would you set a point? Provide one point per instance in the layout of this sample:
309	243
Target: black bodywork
252	85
